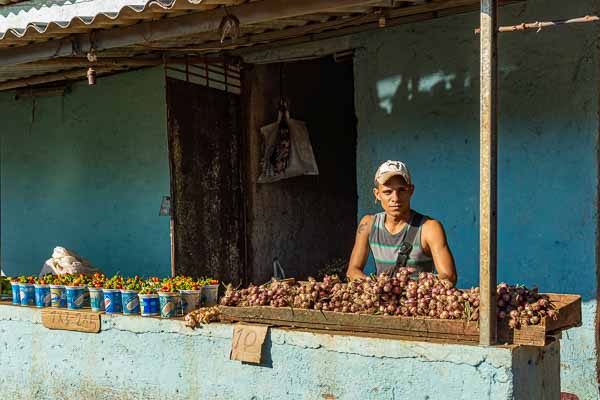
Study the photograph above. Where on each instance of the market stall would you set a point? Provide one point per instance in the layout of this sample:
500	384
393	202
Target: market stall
192	357
130	337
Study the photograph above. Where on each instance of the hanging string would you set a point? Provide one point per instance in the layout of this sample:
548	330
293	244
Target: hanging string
282	103
283	109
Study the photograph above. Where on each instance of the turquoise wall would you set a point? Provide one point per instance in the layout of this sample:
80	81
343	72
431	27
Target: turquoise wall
417	97
87	171
152	359
417	100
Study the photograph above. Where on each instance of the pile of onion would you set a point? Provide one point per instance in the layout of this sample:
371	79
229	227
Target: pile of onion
523	306
402	294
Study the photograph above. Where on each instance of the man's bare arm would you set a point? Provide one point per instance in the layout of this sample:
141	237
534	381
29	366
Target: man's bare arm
434	239
360	252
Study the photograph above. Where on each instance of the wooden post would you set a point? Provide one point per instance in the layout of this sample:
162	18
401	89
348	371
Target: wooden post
488	158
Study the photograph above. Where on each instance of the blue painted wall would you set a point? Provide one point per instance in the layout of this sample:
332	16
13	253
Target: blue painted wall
417	98
87	171
152	359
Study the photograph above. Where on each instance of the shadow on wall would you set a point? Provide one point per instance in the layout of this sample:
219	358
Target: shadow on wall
394	90
430	119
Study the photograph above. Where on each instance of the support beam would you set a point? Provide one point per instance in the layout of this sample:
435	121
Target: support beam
77	68
488	176
73	62
130	62
248	13
77	74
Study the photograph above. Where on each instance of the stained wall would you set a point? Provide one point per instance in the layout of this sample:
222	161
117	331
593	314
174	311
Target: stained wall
417	100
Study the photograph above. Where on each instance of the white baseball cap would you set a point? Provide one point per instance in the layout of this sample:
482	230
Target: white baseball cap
392	168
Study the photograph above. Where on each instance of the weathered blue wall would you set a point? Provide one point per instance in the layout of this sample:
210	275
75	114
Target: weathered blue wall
417	100
143	358
87	171
417	96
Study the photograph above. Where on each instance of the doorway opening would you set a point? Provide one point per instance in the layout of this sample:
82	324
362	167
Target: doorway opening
308	222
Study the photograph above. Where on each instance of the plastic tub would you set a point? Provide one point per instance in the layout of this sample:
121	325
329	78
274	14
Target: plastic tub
130	302
86	296
75	297
42	296
112	301
27	294
58	296
209	295
149	305
168	304
16	295
190	300
96	299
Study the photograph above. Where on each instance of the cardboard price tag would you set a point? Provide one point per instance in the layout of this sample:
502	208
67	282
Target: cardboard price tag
247	342
79	321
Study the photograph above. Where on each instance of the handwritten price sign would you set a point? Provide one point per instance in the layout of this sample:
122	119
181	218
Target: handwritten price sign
247	342
80	321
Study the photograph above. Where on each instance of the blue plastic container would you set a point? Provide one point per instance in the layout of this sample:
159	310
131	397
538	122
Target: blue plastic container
42	296
75	297
130	302
112	301
27	294
169	303
16	295
86	296
96	299
149	305
58	296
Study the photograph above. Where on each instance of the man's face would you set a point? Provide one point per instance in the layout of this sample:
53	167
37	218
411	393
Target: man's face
394	196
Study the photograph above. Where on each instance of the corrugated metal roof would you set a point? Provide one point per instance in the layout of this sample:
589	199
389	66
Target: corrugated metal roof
46	22
54	20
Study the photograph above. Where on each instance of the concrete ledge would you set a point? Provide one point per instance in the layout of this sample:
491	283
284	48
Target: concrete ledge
139	358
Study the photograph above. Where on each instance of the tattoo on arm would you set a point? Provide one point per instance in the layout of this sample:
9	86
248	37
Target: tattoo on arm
361	228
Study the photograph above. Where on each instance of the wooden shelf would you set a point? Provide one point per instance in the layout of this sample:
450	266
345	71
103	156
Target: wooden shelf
421	328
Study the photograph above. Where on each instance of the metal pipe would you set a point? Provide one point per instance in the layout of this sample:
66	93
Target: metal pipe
488	159
540	25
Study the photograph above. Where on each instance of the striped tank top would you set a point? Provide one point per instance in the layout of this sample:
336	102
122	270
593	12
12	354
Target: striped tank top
385	246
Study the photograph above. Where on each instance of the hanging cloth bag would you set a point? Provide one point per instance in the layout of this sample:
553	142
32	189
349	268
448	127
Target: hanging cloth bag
287	150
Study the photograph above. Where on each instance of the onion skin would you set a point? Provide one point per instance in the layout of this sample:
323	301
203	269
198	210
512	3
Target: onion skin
400	295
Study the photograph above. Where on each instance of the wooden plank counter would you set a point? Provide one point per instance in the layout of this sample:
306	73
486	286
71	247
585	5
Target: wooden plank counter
421	328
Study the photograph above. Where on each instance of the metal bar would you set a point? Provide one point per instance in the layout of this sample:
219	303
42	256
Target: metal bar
169	28
540	25
488	158
231	73
211	79
171	168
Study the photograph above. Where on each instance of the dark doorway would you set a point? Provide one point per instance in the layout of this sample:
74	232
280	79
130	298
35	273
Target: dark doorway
204	148
306	222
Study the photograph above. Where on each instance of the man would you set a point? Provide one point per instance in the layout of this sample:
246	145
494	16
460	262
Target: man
400	235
